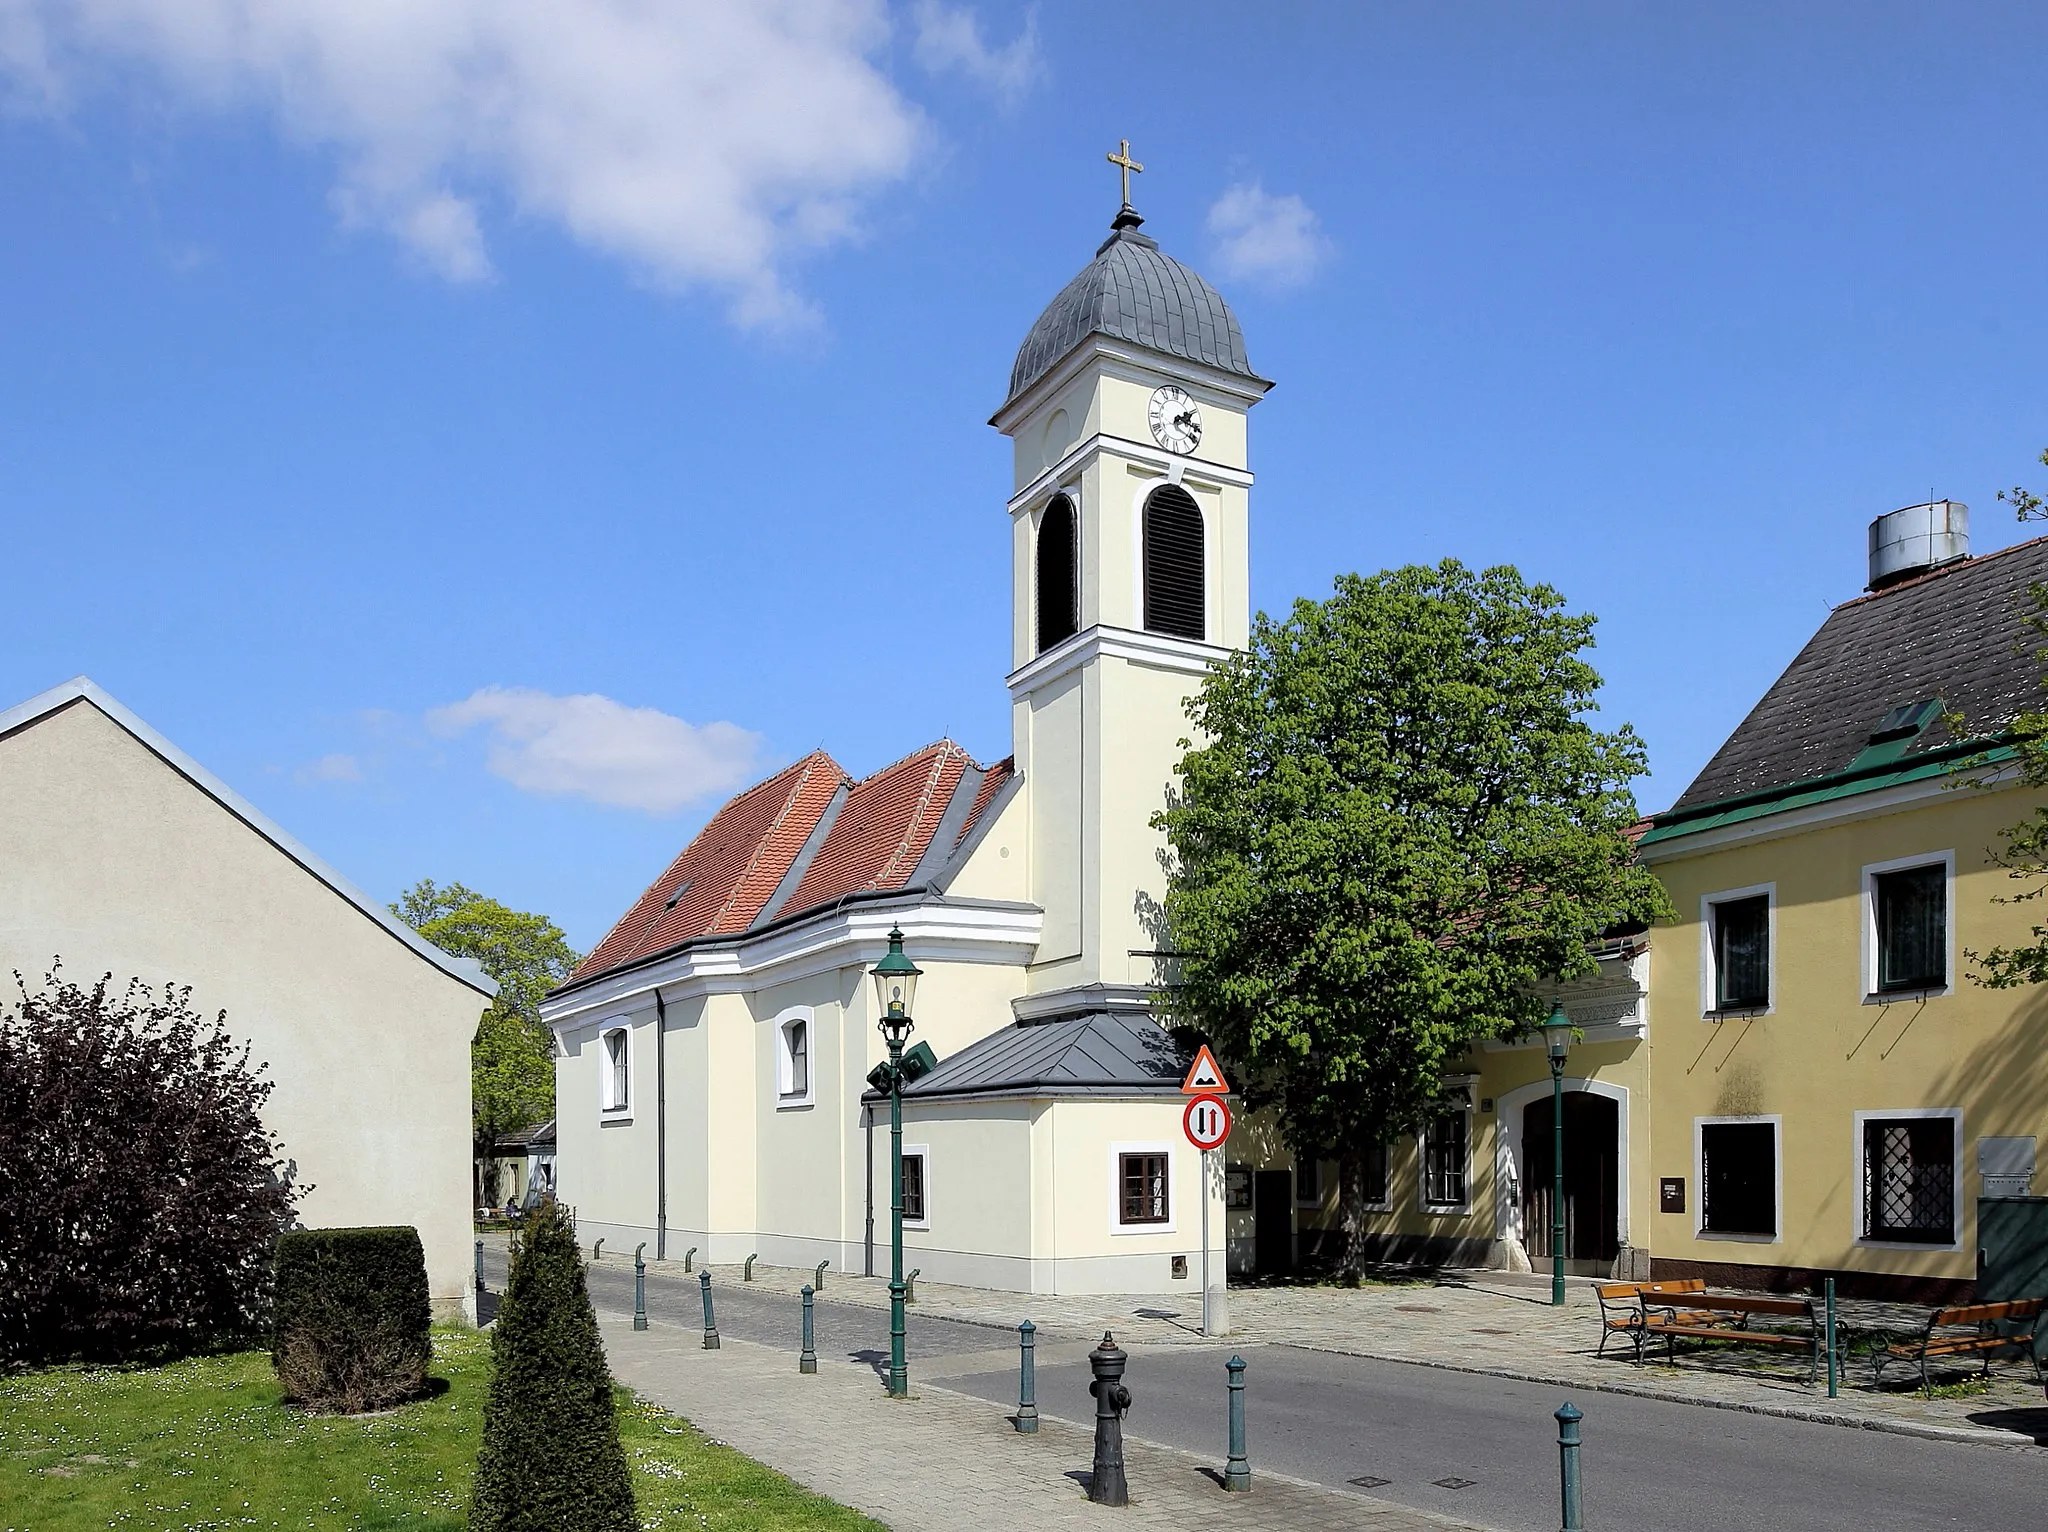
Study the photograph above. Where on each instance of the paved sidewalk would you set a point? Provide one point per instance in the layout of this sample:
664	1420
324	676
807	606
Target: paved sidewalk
1484	1322
940	1461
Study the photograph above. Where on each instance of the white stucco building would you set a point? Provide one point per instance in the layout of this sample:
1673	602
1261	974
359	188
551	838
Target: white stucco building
714	1047
121	854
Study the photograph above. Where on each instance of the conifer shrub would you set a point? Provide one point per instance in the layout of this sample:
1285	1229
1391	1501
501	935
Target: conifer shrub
352	1317
141	1195
551	1459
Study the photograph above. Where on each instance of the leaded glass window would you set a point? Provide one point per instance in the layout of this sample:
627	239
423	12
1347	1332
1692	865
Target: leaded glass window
1909	1179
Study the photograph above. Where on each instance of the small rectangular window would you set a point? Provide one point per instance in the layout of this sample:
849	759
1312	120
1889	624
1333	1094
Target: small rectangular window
1375	1178
913	1188
1444	1145
1912	928
1909	1179
1308	1180
1742	953
1739	1178
617	1046
1141	1180
797	1040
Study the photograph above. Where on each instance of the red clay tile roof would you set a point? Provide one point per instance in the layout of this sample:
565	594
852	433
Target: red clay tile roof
726	876
992	782
729	870
883	827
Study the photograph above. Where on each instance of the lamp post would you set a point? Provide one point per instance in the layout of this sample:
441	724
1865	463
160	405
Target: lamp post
1557	1038
895	988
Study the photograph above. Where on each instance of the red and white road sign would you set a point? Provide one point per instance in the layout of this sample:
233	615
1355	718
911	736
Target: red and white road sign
1205	1076
1206	1122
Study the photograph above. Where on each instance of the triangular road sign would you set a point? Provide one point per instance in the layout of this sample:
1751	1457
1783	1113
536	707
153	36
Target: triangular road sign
1205	1076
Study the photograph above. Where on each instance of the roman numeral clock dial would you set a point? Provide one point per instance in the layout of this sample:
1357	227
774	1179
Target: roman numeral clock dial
1176	419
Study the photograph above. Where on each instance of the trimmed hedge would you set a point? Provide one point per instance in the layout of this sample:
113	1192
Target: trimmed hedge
551	1459
352	1317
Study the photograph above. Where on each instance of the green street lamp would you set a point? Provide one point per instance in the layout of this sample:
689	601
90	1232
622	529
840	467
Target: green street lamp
895	989
1557	1038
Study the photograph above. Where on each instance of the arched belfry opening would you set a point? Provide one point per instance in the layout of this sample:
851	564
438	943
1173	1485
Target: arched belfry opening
1175	574
1058	589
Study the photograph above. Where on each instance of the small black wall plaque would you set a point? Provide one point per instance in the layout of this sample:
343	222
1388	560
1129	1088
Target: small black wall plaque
1671	1194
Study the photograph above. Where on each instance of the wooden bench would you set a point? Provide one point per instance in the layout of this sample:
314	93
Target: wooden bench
1978	1330
1624	1306
1726	1317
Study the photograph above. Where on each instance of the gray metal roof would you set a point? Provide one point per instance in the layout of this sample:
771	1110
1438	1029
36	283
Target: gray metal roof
1101	1053
1959	633
1134	291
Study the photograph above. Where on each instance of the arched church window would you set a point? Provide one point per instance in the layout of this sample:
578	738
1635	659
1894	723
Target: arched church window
1058	617
1174	567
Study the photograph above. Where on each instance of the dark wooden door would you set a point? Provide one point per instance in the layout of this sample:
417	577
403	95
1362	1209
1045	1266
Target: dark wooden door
1273	1223
1592	1164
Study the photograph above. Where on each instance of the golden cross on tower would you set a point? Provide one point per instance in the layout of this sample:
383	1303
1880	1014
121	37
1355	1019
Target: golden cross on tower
1122	158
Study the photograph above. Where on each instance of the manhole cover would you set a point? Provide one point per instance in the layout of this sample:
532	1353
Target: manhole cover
1368	1481
1454	1483
1415	1308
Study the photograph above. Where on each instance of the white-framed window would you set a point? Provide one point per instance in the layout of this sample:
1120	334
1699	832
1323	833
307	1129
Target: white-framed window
615	1071
917	1186
1309	1182
1909	927
796	1040
1141	1188
1739	1172
1738	936
1909	1175
1446	1157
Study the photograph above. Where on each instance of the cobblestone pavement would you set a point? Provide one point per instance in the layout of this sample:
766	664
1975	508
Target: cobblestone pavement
940	1461
1490	1322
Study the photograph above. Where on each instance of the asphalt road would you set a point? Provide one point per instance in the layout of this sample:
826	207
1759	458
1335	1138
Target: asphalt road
1649	1465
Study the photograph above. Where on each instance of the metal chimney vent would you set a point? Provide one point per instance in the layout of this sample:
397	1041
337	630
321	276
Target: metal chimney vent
1919	538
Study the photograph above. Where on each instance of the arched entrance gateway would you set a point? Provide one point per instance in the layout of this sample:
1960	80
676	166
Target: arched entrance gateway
1595	1172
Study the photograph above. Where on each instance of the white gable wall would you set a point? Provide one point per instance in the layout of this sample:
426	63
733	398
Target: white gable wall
117	862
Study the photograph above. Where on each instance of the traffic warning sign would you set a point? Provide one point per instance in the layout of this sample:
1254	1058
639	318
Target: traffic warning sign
1205	1076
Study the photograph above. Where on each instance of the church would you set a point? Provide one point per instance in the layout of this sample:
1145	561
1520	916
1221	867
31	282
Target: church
714	1048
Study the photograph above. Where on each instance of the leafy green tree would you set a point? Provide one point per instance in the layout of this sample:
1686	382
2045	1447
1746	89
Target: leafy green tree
1398	834
2023	851
551	1459
512	1057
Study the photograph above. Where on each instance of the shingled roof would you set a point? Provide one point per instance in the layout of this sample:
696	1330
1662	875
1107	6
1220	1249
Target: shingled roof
1957	634
805	838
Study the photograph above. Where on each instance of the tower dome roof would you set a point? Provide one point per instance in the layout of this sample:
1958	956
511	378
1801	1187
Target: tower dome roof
1136	292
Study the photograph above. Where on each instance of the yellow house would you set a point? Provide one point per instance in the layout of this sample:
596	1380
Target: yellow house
1831	1089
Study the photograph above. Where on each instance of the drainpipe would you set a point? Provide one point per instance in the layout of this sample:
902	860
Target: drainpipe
660	1127
867	1122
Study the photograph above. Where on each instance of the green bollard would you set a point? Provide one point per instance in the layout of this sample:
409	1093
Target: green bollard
818	1277
1237	1473
808	1361
479	1268
1834	1372
1568	1418
747	1271
639	1286
710	1324
686	1257
1027	1379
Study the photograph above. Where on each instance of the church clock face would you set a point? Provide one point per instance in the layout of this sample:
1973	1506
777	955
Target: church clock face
1176	419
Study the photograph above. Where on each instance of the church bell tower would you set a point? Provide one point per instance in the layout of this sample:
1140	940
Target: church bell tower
1126	412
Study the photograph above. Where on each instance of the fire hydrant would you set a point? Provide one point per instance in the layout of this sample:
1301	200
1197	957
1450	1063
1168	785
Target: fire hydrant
1106	1484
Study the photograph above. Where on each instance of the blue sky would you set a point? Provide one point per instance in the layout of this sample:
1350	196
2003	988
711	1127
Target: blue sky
380	381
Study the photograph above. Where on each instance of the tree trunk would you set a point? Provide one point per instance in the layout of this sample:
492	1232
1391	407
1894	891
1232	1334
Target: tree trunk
1351	1212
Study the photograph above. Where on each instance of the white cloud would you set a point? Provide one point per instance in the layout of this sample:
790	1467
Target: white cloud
949	42
330	768
1263	238
705	142
589	746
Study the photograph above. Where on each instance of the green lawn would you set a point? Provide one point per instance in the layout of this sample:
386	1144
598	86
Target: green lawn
211	1444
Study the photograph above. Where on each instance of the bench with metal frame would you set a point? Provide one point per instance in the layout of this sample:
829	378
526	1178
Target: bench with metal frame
1967	1330
1625	1306
1726	1316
